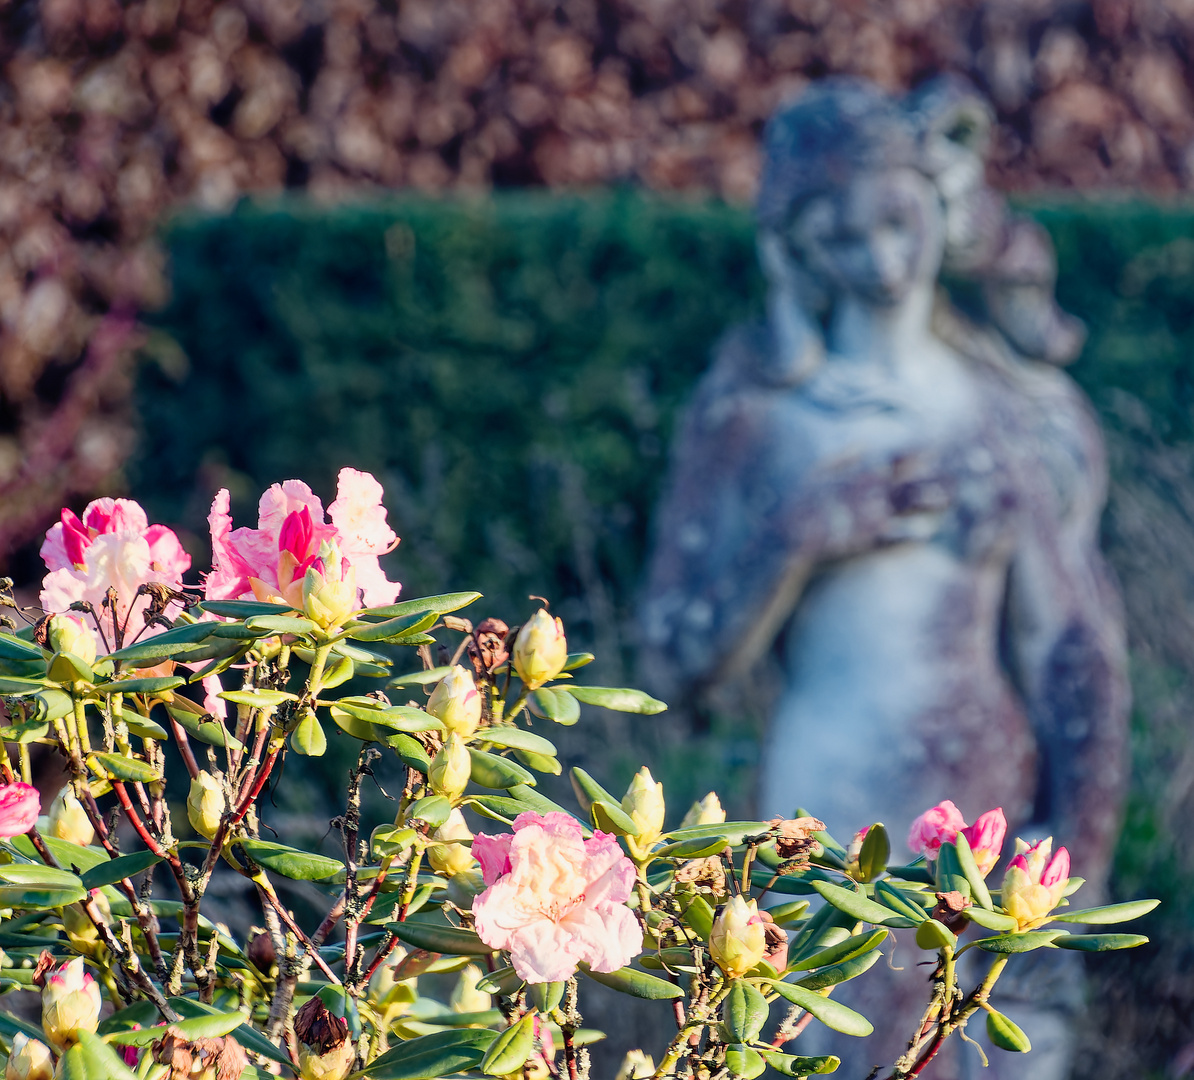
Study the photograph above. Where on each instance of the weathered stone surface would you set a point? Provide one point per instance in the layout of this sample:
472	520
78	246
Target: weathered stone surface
904	502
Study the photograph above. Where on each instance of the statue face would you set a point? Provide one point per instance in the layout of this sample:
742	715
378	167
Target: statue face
876	238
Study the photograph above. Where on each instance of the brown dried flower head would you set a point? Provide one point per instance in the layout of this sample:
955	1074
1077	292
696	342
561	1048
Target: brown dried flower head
202	1059
794	838
319	1028
706	875
950	911
488	647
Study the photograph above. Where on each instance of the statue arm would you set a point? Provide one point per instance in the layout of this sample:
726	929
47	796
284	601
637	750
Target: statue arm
1066	644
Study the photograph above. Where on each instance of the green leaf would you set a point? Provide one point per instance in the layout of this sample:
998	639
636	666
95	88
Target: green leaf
1100	942
391	629
491	771
37	874
840	973
281	624
934	935
53	704
142	1012
588	791
516	738
15	648
546	996
64	851
916	871
390	717
19	686
833	1014
114	870
735	832
518	800
786	914
430	1056
578	660
1111	913
440	938
790	1065
201	725
540	763
141	686
37	897
290	862
620	700
92	1059
699	917
991	920
119	767
10	1025
978	887
66	667
308	738
180	642
25	733
611	818
557	705
441	605
421	678
143	727
857	945
698	847
744	1012
502	981
242	609
859	906
950	877
247	1036
433	809
899	902
744	1062
510	1050
408	750
210	1026
1018	943
875	851
1005	1034
258	699
637	983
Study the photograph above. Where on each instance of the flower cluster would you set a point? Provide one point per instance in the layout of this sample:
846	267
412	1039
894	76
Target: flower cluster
941	824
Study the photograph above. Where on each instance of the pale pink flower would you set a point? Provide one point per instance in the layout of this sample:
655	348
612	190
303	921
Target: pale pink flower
556	899
19	806
111	546
985	838
1033	884
936	826
270	562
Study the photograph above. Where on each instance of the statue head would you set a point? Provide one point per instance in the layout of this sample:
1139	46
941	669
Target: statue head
846	198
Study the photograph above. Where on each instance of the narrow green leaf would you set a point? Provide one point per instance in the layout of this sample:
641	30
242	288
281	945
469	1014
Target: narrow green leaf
639	984
290	862
259	698
64	851
743	1062
1110	914
242	609
899	902
840	973
744	1012
578	660
557	705
588	791
15	648
1005	1034
1018	943
875	851
441	605
308	738
391	629
141	686
248	1037
421	678
787	914
833	1014
502	981
436	937
699	917
143	727
106	873
180	641
197	1027
66	667
949	871
491	771
611	818
427	1057
516	738
92	1059
119	767
697	847
546	996
509	1051
991	920
790	1065
854	946
934	935
201	725
1100	942
859	906
735	832
978	887
281	624
620	700
433	809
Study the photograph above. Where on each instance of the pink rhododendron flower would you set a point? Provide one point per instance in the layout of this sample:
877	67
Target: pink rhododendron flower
270	562
985	838
1033	883
111	546
936	826
556	899
19	807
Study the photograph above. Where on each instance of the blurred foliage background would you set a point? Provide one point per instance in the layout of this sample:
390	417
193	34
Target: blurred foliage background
511	368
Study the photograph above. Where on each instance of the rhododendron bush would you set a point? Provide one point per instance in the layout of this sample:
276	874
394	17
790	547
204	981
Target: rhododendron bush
746	927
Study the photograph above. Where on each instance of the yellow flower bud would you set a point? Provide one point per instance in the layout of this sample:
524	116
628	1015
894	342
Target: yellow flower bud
69	633
466	998
70	1003
205	804
738	940
29	1060
540	650
79	928
330	587
456	702
636	1065
451	859
451	768
643	802
68	820
707	811
334	1064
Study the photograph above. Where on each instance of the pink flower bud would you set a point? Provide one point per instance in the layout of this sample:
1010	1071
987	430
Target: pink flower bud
985	838
936	826
19	807
70	1003
1033	883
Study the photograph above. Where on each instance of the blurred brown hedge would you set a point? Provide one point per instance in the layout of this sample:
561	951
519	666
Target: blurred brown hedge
113	112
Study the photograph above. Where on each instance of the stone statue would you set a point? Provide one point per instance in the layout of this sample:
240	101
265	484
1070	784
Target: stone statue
900	494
